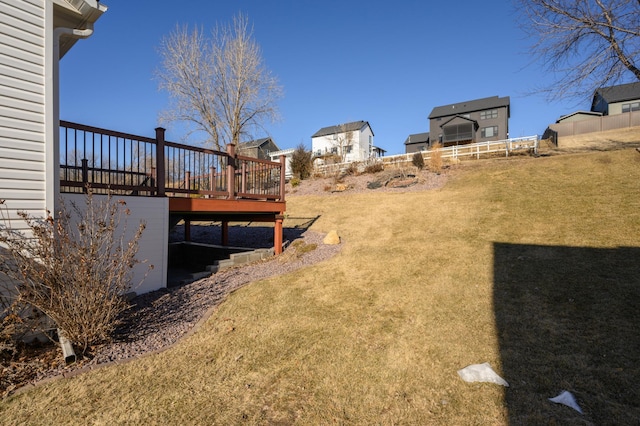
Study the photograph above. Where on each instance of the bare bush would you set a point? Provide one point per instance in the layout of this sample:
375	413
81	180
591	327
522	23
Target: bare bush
435	160
75	269
374	168
418	160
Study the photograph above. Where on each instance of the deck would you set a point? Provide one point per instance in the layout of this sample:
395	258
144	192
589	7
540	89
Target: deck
201	184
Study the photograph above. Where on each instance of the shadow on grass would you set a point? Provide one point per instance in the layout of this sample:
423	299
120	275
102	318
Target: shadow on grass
568	319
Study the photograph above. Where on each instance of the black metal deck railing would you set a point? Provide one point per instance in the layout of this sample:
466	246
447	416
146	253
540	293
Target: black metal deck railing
122	163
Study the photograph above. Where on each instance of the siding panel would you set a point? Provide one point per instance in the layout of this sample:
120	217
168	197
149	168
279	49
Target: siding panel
19	123
34	95
14	75
36	168
21	20
17	174
21	185
22	106
19	194
21	135
21	115
27	145
19	154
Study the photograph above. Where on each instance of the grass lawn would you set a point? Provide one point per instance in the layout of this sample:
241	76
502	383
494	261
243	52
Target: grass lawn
530	264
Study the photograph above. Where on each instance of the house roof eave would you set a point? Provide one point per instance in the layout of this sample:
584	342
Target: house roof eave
341	128
75	14
617	93
472	106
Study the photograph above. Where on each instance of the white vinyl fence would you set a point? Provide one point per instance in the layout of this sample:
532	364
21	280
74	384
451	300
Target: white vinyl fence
527	144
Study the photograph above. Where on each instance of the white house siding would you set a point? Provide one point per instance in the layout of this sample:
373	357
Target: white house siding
360	144
22	106
365	148
154	243
288	153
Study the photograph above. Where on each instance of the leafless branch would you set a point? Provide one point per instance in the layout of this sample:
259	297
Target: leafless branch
218	84
588	43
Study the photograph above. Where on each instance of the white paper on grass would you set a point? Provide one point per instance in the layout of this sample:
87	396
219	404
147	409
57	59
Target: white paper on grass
481	373
566	398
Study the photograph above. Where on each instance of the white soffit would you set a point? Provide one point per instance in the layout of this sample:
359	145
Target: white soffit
76	14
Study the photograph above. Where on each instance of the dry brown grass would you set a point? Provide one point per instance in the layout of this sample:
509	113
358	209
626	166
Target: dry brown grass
514	262
601	140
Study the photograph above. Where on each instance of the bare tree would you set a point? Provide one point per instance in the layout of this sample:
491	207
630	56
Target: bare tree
589	43
218	85
342	140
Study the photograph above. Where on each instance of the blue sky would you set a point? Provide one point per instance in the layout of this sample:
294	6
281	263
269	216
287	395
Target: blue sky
389	63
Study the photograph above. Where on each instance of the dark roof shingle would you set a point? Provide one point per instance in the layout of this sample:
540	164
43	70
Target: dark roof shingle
341	128
417	138
619	93
253	144
470	106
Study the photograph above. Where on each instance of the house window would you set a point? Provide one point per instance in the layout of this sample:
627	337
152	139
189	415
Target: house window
489	132
485	115
634	106
348	149
334	150
458	132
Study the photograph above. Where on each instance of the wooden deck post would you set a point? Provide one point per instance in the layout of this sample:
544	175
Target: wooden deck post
283	175
231	171
187	230
160	167
225	233
243	177
277	235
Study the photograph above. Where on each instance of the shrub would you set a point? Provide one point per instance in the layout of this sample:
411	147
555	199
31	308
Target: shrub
374	168
435	160
418	160
301	162
352	169
75	268
294	182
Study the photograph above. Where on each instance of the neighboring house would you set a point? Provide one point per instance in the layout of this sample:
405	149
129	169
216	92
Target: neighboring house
578	116
473	121
259	148
617	99
288	153
416	143
350	141
378	152
613	107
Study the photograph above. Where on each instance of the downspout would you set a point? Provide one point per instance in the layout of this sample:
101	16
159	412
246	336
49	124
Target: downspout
67	349
54	157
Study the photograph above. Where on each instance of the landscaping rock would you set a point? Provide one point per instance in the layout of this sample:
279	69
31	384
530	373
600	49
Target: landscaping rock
332	238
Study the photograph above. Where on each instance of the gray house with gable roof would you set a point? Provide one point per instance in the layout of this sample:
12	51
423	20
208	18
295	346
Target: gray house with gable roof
258	148
485	119
617	99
